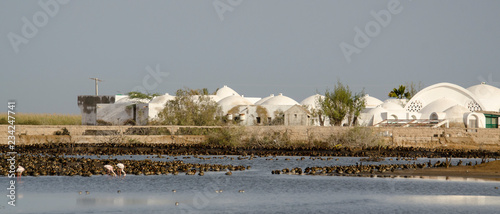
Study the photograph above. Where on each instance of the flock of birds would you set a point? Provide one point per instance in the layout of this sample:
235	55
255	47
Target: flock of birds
120	167
53	165
363	170
111	172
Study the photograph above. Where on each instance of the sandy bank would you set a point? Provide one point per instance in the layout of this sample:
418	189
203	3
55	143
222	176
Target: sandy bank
488	171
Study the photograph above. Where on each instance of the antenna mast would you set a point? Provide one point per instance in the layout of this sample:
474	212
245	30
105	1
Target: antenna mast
96	87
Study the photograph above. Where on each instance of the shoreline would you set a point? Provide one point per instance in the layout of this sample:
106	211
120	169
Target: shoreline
486	171
489	171
268	150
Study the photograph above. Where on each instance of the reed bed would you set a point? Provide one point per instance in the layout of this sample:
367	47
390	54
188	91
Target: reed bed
42	119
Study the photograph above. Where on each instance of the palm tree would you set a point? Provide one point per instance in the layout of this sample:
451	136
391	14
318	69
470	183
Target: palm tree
400	92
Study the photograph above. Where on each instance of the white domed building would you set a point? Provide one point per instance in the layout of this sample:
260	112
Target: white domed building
371	102
259	102
444	102
157	104
225	92
441	104
280	100
372	114
230	102
263	111
390	109
456	114
437	105
487	95
279	103
312	104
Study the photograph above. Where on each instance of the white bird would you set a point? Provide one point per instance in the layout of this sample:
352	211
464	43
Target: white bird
19	171
110	170
121	167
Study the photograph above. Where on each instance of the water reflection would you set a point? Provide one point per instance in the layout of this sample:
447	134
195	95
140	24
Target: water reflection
439	178
456	200
118	201
264	192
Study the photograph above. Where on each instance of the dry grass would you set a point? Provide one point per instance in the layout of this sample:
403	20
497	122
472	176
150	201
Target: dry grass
43	119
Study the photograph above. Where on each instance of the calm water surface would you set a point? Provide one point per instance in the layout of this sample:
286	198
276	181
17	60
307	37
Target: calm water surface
263	192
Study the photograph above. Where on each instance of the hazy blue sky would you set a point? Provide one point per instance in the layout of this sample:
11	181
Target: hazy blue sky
258	48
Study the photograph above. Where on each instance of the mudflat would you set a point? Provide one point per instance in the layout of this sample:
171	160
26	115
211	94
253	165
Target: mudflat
487	171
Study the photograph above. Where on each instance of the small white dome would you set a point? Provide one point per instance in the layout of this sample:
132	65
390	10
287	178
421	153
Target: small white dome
312	101
226	92
392	105
437	106
371	102
399	102
456	113
280	100
264	99
162	99
234	100
373	116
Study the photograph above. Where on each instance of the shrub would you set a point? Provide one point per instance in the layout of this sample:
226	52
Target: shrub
147	131
63	131
196	131
354	137
103	123
189	110
226	136
269	139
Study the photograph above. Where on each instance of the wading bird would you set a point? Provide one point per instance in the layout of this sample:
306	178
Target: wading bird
110	170
19	171
121	167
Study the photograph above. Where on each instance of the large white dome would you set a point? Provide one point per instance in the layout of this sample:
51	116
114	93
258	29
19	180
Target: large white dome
438	91
488	95
312	101
280	100
226	92
264	99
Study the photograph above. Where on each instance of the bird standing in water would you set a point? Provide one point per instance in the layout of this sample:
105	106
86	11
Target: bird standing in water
19	171
121	167
110	170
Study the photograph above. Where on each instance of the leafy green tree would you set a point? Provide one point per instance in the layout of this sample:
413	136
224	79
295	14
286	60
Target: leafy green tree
400	93
191	108
357	105
341	103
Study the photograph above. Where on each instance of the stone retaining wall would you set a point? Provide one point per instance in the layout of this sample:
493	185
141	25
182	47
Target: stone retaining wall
470	138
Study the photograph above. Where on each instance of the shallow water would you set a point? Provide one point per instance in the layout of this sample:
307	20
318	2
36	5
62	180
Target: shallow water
263	192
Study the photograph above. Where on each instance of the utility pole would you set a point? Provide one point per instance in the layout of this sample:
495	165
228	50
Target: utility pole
96	87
